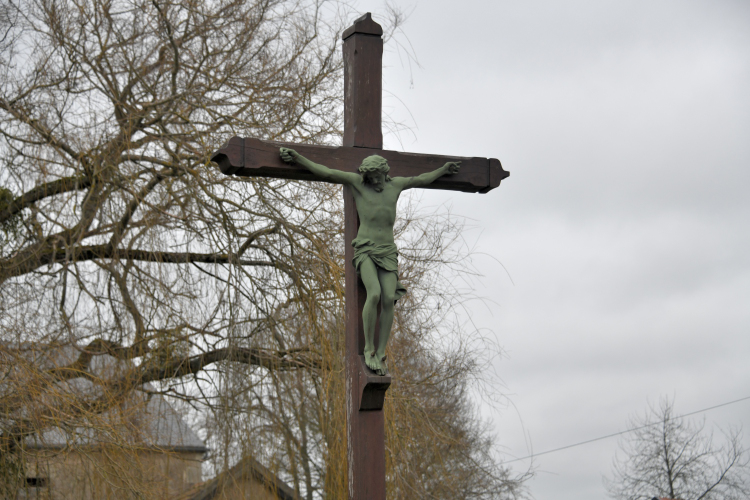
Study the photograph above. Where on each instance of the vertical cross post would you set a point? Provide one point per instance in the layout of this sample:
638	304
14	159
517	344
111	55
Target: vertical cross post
363	55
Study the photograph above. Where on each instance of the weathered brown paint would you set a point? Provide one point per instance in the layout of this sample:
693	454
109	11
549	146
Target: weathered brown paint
365	427
363	95
363	55
256	158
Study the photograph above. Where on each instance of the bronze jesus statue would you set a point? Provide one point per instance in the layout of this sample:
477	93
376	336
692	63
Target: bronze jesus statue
375	252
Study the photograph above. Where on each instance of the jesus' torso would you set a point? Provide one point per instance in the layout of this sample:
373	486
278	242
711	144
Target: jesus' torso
376	210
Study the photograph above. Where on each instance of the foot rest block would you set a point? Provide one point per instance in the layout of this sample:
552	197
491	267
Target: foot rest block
372	387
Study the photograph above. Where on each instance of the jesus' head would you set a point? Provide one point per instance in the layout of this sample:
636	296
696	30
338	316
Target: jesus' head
374	170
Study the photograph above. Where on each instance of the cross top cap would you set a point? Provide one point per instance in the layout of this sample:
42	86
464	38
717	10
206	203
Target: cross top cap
364	25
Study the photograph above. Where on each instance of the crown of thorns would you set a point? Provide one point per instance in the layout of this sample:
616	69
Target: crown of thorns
374	163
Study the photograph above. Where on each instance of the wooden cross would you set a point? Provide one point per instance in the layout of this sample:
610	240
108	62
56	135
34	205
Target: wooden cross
365	391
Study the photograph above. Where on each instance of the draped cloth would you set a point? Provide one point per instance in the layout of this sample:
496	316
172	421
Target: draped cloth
383	256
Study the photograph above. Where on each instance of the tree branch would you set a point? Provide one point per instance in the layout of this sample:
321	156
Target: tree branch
33	259
64	185
40	129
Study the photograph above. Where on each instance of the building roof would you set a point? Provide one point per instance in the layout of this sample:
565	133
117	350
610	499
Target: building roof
246	469
144	418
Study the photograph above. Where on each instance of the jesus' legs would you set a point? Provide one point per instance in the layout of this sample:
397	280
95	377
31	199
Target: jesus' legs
388	282
369	274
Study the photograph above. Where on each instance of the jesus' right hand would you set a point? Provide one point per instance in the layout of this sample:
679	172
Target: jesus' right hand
453	167
288	155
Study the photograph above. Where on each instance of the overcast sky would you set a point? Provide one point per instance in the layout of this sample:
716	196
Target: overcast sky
625	223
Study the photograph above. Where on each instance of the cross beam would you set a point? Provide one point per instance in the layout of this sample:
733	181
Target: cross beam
248	157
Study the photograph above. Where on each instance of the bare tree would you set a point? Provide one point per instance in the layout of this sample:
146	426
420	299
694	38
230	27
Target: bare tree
669	456
119	238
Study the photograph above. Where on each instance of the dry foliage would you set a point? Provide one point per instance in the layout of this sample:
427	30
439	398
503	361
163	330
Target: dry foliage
119	238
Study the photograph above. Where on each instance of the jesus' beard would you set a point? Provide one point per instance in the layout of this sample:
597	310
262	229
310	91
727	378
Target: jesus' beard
377	187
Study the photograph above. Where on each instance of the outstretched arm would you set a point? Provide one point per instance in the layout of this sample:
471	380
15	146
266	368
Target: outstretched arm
329	174
428	178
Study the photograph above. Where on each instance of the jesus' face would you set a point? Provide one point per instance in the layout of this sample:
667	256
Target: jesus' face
376	180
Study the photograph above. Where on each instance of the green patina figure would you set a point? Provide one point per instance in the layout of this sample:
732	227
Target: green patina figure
375	252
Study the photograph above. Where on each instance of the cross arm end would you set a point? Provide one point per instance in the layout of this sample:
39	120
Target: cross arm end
231	156
497	174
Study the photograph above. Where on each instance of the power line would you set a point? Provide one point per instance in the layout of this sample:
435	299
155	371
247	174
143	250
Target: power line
623	432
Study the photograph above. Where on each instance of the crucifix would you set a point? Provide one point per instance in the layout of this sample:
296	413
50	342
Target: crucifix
363	142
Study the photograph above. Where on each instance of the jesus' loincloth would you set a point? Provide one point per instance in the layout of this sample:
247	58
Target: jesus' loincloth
383	256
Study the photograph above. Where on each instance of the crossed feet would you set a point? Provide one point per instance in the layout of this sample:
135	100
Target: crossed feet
375	362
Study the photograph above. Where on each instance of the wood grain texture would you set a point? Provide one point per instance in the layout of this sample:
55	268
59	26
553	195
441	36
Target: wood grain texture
363	91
